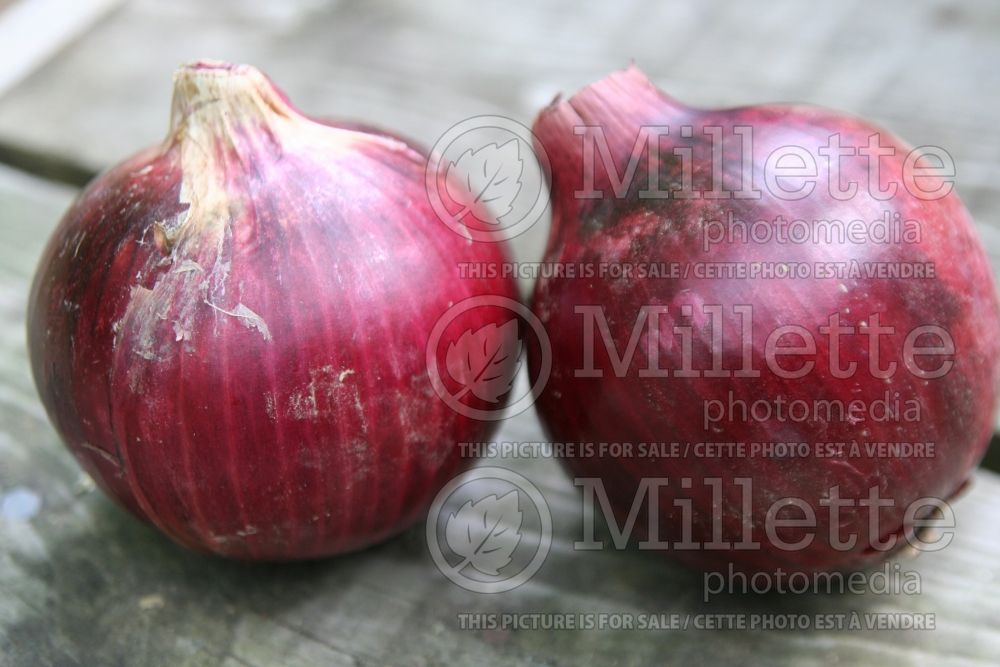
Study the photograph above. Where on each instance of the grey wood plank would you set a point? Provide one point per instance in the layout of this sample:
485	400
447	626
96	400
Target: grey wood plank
30	32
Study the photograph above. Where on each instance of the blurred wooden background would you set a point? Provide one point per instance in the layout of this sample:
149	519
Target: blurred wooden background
83	584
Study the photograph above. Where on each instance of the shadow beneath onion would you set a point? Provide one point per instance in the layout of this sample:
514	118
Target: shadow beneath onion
109	578
112	578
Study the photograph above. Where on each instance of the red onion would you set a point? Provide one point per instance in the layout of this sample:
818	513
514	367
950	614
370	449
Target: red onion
228	330
740	245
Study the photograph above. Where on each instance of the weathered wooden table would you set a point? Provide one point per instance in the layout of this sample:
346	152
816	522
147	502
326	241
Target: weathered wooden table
81	583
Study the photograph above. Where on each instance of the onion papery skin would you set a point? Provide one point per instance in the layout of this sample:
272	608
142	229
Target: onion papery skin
228	330
958	408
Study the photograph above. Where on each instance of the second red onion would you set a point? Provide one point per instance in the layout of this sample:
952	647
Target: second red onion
715	348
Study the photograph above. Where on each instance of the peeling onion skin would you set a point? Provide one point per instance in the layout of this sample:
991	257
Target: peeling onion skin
957	409
228	330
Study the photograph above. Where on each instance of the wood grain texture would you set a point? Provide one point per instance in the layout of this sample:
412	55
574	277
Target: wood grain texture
82	583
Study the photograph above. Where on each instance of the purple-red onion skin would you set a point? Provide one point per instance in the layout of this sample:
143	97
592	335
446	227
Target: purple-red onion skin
246	369
957	409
